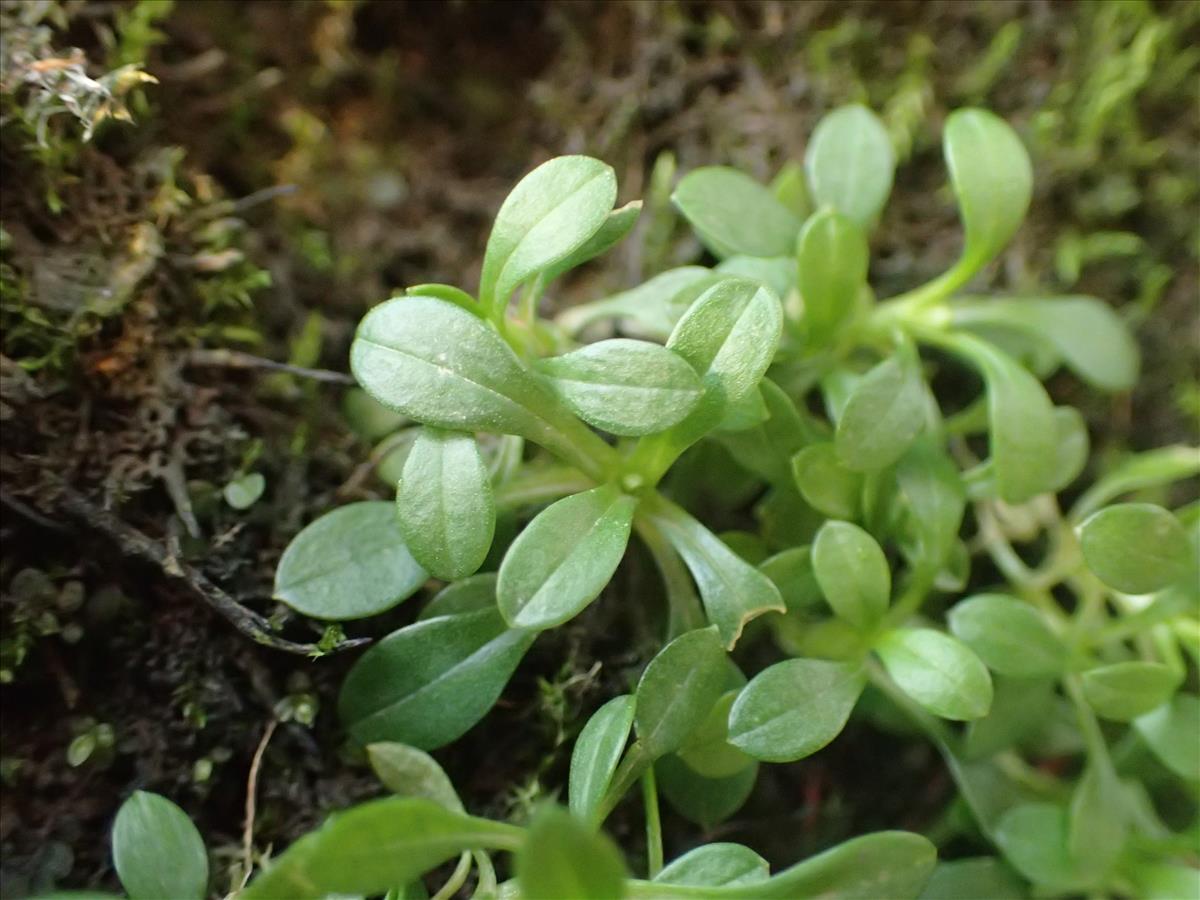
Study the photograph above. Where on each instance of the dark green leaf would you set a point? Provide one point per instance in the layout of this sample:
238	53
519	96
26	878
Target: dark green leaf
853	573
625	387
157	851
850	163
833	256
794	708
1020	707
1097	824
349	563
1010	636
563	858
714	865
1136	548
466	596
1126	690
372	847
446	510
597	751
551	213
884	415
792	573
937	671
410	772
427	683
704	801
563	559
708	750
981	877
732	213
678	688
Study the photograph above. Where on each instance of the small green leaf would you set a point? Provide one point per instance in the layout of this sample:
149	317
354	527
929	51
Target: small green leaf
980	877
551	213
678	688
1024	435
612	231
708	750
650	309
1138	472
1011	637
442	366
853	573
625	387
993	180
884	415
937	671
729	336
429	682
348	564
478	592
367	417
790	188
446	511
372	847
703	801
776	272
1071	455
716	865
732	213
597	751
792	573
929	484
1126	690
833	256
1136	548
1020	708
410	772
242	493
830	487
794	708
850	163
1033	837
1085	333
563	858
1172	732
449	293
563	559
733	591
157	850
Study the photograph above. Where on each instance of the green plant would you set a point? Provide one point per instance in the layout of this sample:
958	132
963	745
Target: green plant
891	562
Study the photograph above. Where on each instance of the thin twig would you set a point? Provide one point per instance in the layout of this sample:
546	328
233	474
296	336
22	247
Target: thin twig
236	359
28	512
133	543
251	802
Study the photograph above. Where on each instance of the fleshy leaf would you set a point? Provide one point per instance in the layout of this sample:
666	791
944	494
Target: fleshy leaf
734	214
157	851
850	163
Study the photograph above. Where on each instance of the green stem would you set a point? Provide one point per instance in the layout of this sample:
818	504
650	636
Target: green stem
486	887
456	880
654	843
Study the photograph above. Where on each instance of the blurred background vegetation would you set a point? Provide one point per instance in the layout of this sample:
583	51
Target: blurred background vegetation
187	177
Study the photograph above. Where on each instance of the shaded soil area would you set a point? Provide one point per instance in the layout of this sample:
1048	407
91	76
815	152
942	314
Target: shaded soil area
297	162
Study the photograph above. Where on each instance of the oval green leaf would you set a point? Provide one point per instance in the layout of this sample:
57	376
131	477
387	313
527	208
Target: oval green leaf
678	688
716	865
993	180
429	682
157	851
446	511
563	559
1011	637
833	257
597	751
1172	732
409	772
734	214
850	163
708	750
625	387
1033	837
551	213
348	564
939	672
853	573
884	415
794	708
1126	690
829	487
1136	548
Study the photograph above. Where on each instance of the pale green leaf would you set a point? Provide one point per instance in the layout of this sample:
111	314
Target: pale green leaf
1010	636
884	415
714	865
157	851
833	257
410	772
597	751
853	573
825	483
850	163
1136	548
734	214
939	672
1126	690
